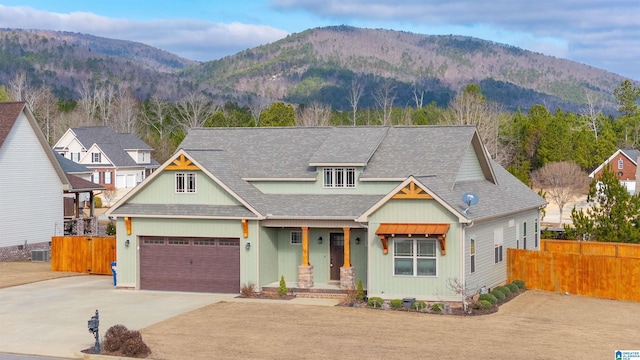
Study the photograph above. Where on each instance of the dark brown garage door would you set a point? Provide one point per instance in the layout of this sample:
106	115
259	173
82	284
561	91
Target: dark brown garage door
190	264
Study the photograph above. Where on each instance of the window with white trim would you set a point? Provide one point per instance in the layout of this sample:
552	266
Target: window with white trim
107	177
95	177
472	252
498	245
620	164
524	235
75	156
415	257
185	183
296	238
96	157
339	177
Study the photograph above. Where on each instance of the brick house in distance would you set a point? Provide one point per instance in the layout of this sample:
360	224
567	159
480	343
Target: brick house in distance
624	163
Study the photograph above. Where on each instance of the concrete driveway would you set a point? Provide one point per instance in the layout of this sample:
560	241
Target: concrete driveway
49	318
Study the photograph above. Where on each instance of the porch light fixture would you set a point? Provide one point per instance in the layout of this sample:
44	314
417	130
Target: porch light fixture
320	240
126	243
248	246
357	241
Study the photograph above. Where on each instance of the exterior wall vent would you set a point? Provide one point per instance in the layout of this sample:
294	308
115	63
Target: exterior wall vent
40	255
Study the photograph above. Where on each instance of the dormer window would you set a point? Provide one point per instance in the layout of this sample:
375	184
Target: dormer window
339	178
96	158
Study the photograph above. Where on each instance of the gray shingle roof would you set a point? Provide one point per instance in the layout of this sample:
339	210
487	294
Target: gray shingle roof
632	154
192	210
432	154
71	167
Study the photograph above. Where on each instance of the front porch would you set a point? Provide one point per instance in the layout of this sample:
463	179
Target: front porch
319	290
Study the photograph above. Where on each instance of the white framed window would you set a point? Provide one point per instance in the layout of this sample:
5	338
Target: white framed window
620	164
75	156
339	178
107	177
415	257
524	235
96	157
498	243
472	252
185	183
296	238
95	177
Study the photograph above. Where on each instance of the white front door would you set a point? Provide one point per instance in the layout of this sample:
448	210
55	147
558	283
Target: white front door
121	181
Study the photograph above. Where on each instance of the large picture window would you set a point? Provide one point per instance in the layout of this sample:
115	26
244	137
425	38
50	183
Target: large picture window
185	183
415	257
339	177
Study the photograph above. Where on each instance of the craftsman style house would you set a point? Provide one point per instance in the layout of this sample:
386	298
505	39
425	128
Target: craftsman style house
31	185
624	163
405	210
116	160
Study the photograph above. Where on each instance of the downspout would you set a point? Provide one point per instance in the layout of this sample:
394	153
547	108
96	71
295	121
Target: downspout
258	254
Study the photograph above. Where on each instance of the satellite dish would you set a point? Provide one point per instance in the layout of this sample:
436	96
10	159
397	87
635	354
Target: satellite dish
469	198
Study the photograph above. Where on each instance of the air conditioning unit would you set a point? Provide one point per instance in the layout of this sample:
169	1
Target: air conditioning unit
40	255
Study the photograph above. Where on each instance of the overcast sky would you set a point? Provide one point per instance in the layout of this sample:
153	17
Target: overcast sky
603	34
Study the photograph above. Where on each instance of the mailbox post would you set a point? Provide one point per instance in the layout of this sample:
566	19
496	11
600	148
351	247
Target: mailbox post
93	325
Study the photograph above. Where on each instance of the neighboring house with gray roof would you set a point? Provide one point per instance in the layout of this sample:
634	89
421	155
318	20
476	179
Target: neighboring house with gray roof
32	183
116	160
326	207
624	163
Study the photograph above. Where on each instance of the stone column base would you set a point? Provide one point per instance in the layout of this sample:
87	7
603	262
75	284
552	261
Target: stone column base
305	277
347	278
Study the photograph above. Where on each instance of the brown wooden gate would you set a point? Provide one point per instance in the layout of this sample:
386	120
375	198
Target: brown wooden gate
83	254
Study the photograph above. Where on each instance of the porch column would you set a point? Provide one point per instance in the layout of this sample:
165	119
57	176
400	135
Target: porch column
77	206
305	270
92	206
305	246
347	273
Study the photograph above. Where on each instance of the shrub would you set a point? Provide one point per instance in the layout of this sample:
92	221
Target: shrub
97	202
519	283
498	294
118	340
375	302
418	305
484	305
396	303
505	290
282	290
248	289
111	228
513	288
360	294
488	297
436	307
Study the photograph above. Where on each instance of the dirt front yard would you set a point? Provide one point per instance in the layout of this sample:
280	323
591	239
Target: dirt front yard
534	325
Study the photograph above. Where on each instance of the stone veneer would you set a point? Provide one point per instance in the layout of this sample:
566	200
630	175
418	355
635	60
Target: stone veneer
305	276
21	252
347	278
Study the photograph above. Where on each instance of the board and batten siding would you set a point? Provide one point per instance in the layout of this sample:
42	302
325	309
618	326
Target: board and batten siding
470	168
128	257
487	272
268	261
31	192
381	279
162	190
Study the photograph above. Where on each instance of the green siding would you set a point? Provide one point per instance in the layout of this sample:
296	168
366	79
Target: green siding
470	168
268	256
162	191
381	280
308	187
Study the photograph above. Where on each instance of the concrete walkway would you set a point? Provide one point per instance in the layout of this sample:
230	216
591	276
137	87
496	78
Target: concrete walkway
49	318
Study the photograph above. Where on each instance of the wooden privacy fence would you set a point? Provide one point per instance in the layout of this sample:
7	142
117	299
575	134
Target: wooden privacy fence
84	254
602	276
591	248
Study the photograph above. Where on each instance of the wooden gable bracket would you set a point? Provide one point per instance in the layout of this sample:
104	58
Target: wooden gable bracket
245	228
443	244
385	244
127	224
182	163
412	191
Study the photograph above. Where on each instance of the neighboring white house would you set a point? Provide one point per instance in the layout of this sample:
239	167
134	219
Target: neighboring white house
32	183
116	160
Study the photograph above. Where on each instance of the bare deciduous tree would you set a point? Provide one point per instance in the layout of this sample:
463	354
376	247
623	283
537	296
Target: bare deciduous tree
194	109
355	93
256	108
562	181
384	97
125	111
314	115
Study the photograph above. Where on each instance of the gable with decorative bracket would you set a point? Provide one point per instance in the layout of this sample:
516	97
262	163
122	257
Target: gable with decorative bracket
412	191
182	163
